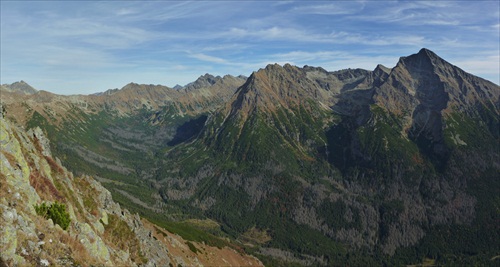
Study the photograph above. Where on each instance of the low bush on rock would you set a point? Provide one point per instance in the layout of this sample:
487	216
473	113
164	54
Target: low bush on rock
56	211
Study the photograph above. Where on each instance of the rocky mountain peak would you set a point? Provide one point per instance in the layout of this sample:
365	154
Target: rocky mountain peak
178	87
203	81
350	74
108	92
430	75
144	89
382	68
274	85
289	87
131	85
308	68
427	53
423	61
20	87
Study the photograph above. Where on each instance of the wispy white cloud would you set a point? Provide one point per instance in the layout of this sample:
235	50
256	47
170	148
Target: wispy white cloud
486	65
270	33
101	34
208	58
179	67
413	13
340	37
228	48
331	8
125	11
281	3
302	56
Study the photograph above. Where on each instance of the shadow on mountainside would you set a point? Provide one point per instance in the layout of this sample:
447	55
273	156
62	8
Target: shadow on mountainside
188	130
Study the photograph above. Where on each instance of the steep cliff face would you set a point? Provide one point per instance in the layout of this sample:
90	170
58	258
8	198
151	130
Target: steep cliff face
425	92
90	229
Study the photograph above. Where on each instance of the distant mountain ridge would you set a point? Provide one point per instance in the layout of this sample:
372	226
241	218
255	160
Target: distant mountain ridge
130	99
21	87
303	165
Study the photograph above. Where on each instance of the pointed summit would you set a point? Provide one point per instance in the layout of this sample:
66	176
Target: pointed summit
422	61
275	86
426	61
463	90
20	87
382	68
422	53
427	52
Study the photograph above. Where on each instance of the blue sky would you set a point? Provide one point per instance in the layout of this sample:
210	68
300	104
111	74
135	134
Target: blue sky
72	47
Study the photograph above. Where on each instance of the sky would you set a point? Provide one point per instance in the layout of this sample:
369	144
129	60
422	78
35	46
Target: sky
84	47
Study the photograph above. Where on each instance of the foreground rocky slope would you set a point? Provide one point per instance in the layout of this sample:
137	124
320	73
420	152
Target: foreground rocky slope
99	233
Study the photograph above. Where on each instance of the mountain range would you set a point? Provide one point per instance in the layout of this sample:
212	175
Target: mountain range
298	165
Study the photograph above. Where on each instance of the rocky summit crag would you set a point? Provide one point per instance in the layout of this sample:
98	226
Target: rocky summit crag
19	87
394	166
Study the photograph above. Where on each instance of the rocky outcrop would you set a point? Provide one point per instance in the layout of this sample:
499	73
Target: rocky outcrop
30	176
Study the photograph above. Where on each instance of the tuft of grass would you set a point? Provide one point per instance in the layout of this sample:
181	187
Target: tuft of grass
88	194
118	234
44	187
53	165
79	254
12	160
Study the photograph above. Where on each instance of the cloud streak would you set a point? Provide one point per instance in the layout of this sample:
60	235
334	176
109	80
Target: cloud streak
208	58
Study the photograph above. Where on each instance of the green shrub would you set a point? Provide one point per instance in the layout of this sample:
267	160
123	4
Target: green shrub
192	247
56	211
